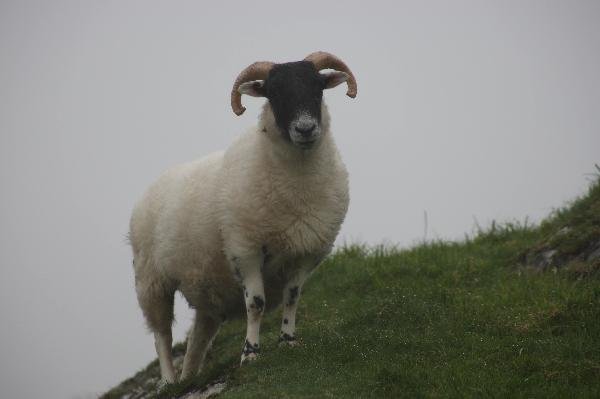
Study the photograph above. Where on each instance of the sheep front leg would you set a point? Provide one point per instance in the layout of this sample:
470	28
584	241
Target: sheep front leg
249	272
291	296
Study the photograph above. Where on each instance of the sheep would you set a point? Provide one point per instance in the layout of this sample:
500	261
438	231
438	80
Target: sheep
240	231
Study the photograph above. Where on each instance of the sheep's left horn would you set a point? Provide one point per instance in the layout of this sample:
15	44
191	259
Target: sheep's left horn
257	71
325	60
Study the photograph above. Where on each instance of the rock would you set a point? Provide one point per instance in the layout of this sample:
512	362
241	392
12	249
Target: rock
564	231
541	259
548	255
595	254
211	390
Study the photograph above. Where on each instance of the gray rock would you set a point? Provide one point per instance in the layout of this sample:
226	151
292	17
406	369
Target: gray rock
211	390
595	254
548	255
563	231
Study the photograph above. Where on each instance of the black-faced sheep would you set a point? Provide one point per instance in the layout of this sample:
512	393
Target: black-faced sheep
238	232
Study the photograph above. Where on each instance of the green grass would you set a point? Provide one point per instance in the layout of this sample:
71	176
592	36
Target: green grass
442	319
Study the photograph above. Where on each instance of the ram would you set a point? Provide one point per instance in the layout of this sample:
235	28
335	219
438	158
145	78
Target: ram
239	232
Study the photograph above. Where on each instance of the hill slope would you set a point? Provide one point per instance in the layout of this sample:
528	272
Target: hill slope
442	319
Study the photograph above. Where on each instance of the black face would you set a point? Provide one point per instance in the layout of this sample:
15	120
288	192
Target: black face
295	92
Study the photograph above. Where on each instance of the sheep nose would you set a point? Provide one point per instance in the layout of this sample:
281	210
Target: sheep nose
305	128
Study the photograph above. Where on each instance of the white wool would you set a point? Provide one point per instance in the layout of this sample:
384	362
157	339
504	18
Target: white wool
262	194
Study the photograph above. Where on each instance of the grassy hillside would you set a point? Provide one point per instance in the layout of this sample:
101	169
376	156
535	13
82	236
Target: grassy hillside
442	319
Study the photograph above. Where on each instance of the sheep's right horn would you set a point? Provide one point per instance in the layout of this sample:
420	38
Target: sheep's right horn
257	71
325	60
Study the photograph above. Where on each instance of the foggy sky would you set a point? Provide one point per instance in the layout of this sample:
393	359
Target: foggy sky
467	110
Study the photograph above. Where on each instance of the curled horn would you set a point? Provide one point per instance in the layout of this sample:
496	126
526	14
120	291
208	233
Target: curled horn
324	60
257	71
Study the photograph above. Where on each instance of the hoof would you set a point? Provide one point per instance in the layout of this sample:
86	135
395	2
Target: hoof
288	340
249	353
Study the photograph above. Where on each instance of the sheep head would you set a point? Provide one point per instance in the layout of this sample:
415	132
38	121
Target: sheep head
294	91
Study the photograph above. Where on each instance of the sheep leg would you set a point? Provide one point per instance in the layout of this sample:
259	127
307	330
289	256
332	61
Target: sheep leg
199	340
162	343
249	272
156	298
291	296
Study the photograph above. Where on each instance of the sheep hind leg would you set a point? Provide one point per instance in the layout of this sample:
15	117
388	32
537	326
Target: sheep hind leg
156	301
199	340
163	344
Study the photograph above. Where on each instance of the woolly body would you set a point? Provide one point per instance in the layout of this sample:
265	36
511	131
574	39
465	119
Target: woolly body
262	195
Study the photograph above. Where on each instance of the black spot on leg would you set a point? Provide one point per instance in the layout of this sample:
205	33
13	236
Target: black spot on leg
259	303
293	295
249	348
285	321
285	337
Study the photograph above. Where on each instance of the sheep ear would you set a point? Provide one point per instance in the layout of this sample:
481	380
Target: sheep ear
334	78
254	88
